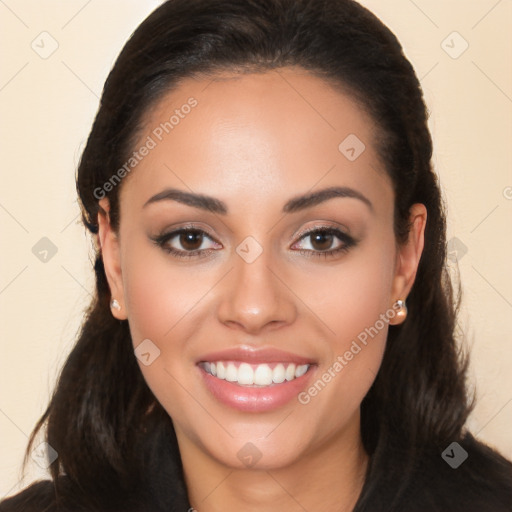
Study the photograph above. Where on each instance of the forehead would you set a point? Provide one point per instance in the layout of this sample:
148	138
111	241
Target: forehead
271	133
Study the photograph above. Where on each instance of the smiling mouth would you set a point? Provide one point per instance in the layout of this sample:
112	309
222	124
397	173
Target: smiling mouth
254	375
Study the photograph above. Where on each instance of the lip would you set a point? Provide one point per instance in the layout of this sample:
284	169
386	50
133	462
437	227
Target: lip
255	356
255	399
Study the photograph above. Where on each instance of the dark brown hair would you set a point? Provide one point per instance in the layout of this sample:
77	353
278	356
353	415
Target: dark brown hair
116	444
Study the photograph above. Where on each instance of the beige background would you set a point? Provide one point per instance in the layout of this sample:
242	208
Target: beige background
47	106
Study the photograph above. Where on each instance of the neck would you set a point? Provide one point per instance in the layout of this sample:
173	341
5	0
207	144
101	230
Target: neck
329	476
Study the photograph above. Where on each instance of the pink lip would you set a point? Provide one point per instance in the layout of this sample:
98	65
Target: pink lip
255	356
255	399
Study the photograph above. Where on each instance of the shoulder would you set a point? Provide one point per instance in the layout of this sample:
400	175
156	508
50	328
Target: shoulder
38	497
41	496
467	476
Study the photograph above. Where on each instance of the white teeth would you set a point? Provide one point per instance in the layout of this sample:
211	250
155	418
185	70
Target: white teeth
279	374
301	370
231	373
262	375
246	375
221	370
255	375
290	372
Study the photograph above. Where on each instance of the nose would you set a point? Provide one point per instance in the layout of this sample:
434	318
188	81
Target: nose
254	297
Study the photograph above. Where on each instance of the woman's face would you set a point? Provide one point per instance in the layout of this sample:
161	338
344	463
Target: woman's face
278	282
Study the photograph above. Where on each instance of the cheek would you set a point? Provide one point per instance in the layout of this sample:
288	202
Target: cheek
352	296
162	303
356	307
160	296
363	294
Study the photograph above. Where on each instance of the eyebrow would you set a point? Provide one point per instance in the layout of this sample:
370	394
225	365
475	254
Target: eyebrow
295	204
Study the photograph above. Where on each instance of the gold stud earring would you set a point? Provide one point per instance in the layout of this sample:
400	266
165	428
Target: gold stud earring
401	313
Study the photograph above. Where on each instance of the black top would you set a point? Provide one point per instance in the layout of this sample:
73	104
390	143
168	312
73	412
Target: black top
481	483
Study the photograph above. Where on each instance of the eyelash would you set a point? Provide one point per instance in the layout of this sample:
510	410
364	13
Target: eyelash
162	240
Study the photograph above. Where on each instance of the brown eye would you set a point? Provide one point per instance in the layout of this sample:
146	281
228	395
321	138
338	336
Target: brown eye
187	243
325	242
191	240
322	240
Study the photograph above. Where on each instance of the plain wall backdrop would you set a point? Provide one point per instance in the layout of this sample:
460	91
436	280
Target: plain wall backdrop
54	60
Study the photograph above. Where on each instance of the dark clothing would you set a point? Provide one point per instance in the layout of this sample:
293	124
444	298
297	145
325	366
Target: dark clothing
482	483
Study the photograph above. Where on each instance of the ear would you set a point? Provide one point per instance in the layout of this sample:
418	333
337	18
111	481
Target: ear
408	256
109	247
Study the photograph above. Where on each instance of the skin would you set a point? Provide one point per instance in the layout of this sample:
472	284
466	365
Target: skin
254	141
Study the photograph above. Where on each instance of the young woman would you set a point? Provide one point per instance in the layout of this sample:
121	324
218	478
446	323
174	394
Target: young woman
273	326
